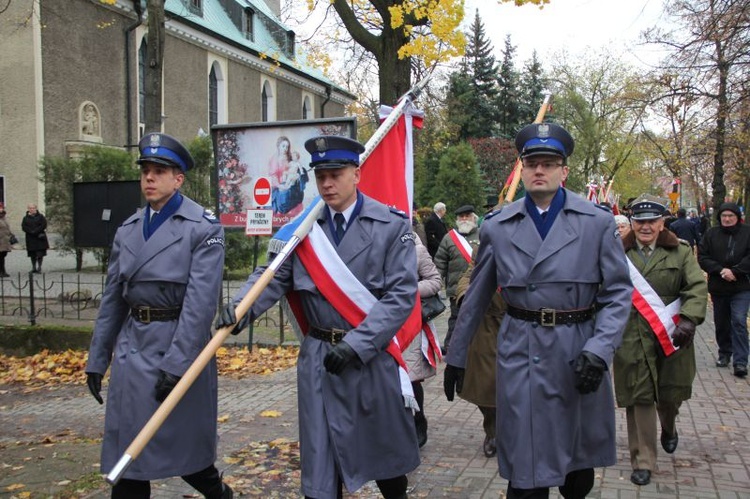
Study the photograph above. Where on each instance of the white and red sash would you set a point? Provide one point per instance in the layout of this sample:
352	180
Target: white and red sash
660	317
462	244
352	300
430	345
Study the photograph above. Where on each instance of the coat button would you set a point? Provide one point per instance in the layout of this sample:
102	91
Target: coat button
536	359
133	350
534	324
532	287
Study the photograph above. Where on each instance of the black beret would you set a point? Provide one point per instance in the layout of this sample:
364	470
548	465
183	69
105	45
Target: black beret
544	138
467	208
165	150
333	151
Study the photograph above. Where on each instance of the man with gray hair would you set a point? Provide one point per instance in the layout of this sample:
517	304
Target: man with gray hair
435	228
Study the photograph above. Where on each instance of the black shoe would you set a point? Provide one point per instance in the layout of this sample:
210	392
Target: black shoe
4	274
740	371
226	492
489	447
669	442
641	477
421	425
723	361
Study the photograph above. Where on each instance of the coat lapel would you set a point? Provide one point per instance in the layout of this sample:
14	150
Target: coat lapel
167	235
560	235
356	240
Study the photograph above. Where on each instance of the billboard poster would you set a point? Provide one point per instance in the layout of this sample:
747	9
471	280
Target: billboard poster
275	150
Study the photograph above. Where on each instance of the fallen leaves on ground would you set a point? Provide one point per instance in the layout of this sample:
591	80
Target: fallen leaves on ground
265	469
58	368
44	368
238	362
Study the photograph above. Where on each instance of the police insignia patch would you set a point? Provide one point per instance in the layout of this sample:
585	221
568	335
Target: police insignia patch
215	240
617	234
409	236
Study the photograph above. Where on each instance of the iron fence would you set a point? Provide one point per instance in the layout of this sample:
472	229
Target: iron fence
65	297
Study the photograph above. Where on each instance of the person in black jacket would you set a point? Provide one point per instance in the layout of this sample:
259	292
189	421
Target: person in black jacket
724	253
685	229
435	228
35	226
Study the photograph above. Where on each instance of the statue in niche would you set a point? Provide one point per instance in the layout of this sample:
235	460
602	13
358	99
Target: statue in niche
90	120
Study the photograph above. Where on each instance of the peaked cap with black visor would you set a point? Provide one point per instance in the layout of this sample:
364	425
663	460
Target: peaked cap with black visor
333	151
164	149
544	138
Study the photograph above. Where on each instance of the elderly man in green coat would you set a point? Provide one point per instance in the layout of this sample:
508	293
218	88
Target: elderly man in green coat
655	364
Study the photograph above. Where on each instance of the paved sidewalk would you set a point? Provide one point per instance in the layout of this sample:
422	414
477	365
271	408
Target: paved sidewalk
712	460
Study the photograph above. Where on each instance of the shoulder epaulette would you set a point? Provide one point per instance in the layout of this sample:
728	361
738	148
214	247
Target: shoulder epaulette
603	207
398	212
209	215
492	213
682	241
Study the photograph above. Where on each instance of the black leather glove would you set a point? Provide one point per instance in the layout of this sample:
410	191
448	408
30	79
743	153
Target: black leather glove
227	317
589	371
94	382
684	334
453	381
339	357
165	384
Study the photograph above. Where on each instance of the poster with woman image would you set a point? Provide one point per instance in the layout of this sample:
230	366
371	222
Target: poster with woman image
243	153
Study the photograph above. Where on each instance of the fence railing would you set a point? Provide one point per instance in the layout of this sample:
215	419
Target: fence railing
61	297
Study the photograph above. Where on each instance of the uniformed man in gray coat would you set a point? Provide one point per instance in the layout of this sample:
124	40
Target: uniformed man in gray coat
353	422
155	318
562	271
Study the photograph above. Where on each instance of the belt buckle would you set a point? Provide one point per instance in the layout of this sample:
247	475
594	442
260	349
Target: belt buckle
147	319
547	317
334	340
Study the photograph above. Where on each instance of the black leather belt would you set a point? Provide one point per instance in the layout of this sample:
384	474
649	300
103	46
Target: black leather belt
549	317
331	335
148	314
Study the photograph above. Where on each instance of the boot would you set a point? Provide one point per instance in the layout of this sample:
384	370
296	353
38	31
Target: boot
420	423
39	265
3	273
33	265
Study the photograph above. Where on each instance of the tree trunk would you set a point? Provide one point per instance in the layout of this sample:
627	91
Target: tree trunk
154	65
394	74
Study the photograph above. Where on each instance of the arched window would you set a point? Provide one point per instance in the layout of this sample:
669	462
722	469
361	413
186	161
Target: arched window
142	82
213	97
266	102
306	109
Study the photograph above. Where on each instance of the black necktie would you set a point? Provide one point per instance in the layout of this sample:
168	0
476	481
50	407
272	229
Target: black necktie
339	219
543	215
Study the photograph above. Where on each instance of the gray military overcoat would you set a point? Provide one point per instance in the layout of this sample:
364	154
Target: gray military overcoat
545	428
180	264
355	422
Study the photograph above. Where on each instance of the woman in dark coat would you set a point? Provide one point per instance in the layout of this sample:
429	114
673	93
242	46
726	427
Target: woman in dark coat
5	245
35	225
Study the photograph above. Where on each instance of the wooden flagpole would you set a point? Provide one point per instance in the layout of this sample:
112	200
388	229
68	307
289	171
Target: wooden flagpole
519	164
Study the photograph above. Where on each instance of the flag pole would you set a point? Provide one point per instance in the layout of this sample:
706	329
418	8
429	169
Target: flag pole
165	409
519	164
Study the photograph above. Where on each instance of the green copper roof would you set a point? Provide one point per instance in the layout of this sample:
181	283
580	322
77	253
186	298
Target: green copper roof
216	19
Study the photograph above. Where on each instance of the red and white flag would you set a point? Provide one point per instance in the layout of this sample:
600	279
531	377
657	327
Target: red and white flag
391	181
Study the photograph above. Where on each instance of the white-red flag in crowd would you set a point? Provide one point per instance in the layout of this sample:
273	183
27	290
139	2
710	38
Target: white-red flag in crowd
389	178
